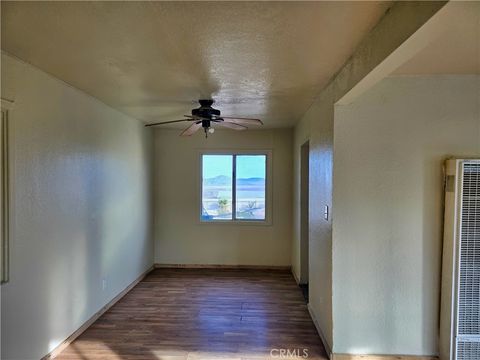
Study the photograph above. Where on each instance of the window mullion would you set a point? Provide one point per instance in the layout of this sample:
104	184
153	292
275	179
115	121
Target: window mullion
234	188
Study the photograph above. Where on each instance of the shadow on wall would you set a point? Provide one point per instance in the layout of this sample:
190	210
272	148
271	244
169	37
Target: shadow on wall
86	275
432	240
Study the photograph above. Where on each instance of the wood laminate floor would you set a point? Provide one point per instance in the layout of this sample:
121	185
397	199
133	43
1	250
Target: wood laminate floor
178	314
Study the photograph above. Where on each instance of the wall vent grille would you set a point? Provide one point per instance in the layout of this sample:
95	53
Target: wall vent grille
468	350
468	308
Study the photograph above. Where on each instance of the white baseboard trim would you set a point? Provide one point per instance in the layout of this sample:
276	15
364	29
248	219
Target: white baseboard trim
55	352
382	357
320	332
297	280
333	356
226	267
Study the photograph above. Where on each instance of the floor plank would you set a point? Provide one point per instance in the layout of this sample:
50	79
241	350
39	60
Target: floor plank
196	314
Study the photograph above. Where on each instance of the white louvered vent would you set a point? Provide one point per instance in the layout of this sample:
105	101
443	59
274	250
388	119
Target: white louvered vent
468	350
468	307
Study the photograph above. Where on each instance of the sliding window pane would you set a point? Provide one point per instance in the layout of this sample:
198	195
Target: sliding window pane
250	186
217	187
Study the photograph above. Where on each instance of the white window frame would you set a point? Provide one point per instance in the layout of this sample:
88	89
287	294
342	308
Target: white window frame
268	187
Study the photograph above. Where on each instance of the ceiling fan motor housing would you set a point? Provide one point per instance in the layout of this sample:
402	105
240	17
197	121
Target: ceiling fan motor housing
206	111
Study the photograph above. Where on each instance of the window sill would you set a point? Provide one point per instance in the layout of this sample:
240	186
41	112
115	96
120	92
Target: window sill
237	222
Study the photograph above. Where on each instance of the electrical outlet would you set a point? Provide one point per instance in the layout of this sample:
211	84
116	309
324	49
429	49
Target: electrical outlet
104	284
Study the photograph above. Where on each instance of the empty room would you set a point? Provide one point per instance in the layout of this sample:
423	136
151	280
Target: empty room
211	180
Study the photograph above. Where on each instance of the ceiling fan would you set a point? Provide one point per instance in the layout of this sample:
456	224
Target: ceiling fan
205	116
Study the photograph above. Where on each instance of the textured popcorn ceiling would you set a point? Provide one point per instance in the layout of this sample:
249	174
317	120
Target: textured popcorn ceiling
152	59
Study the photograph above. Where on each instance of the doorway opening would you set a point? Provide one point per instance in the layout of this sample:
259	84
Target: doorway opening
304	227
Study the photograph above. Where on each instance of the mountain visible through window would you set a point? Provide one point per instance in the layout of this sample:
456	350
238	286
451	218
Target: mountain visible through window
233	187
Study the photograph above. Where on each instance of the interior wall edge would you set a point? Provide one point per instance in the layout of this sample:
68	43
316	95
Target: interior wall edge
328	348
400	163
295	276
399	23
301	135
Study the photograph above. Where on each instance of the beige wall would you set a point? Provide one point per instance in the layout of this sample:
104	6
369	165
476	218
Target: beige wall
387	230
81	209
390	43
181	239
317	127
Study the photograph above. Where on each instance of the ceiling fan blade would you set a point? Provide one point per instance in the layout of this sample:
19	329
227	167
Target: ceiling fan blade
192	129
242	121
195	117
167	122
230	125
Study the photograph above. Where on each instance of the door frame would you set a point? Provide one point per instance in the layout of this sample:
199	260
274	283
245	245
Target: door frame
304	210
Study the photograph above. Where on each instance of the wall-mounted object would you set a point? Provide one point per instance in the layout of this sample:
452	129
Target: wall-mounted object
460	299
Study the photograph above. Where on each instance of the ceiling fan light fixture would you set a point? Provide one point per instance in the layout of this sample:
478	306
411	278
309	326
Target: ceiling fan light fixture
205	115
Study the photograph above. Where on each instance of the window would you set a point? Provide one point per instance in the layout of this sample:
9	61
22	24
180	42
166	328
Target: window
234	187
